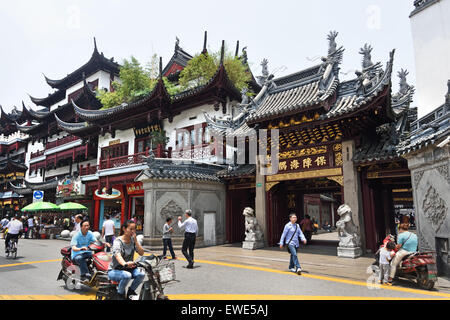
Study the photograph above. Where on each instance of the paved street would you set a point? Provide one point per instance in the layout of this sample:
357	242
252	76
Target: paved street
224	272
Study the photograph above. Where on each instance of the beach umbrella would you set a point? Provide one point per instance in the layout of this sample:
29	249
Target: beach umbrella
71	206
40	206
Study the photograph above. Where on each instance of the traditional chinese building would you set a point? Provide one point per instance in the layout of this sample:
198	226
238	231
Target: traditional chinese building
55	157
13	146
335	137
123	181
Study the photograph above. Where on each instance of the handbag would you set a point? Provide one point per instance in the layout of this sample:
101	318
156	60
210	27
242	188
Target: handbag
295	232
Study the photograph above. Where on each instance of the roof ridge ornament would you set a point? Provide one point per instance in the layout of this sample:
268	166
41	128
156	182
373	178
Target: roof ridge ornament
332	41
265	72
404	86
367	56
205	43
447	96
222	53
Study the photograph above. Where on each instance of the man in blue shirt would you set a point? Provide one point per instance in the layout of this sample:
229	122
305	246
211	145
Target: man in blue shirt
80	249
407	243
291	233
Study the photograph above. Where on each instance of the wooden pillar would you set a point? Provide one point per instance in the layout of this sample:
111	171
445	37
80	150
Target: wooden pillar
96	214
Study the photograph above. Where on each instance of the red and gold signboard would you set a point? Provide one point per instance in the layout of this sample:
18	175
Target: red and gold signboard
136	188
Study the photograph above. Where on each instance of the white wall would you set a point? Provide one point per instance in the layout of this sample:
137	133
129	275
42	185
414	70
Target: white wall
431	37
123	136
103	82
182	121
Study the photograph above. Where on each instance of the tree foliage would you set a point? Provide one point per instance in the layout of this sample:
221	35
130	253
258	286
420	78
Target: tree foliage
202	68
137	81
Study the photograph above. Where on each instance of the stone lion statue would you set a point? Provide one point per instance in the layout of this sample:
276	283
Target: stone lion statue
347	231
252	229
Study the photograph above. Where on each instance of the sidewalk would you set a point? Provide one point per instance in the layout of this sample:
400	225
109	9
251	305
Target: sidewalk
320	258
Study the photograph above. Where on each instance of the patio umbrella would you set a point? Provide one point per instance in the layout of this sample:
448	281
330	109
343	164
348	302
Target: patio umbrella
40	206
71	206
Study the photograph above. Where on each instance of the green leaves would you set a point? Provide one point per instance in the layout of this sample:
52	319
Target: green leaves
203	67
136	81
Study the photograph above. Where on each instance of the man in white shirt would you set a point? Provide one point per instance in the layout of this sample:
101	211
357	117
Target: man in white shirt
108	231
78	219
191	231
15	226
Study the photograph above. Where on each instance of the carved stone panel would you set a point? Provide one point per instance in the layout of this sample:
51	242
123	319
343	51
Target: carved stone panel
172	210
443	171
417	177
434	208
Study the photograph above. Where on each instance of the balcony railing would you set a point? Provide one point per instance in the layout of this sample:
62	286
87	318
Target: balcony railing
61	142
88	170
37	154
125	161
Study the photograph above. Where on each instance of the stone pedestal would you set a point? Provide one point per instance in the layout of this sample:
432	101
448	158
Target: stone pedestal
349	252
252	245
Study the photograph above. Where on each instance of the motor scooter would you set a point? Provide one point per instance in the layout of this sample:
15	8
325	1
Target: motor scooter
419	267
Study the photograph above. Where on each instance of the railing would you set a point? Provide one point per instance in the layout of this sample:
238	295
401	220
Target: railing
124	161
88	170
61	142
37	154
129	160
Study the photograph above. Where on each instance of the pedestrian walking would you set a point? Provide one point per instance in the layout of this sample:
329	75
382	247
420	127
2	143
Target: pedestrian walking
108	231
30	227
78	219
291	233
191	231
307	227
386	255
167	238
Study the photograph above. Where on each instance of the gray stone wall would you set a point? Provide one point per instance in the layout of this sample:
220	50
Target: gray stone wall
172	198
430	172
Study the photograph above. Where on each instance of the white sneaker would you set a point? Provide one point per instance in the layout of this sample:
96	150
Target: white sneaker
293	270
299	271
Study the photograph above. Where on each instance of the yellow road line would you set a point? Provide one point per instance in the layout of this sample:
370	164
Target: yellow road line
332	279
251	297
25	263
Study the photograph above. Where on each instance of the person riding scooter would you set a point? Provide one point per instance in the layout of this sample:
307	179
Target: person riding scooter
80	249
406	245
122	268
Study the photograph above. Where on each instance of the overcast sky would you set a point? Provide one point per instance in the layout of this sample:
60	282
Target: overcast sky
56	37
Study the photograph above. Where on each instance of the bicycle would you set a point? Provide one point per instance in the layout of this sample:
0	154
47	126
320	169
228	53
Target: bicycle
12	248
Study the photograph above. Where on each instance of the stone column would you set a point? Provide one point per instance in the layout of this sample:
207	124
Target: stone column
148	200
352	188
260	202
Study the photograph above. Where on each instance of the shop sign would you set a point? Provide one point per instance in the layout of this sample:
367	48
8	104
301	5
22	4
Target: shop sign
116	194
114	142
135	188
69	187
141	132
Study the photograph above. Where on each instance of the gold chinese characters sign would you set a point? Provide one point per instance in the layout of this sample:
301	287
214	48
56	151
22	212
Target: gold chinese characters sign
305	175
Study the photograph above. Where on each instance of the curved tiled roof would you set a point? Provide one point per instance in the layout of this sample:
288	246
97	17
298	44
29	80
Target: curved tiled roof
162	169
